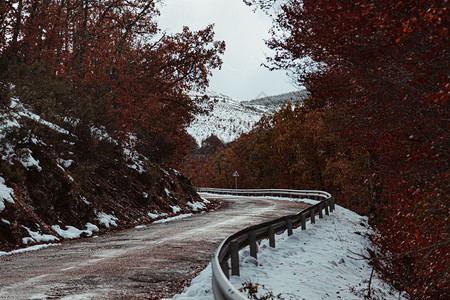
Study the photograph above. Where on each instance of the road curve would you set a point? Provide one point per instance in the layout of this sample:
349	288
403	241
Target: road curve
154	262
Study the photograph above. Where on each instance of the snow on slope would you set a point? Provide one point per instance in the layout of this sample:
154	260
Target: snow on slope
227	120
14	119
5	194
322	262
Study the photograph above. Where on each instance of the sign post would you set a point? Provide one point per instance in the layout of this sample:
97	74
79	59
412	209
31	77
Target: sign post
235	175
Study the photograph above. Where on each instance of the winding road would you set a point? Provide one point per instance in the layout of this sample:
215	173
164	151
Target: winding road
153	262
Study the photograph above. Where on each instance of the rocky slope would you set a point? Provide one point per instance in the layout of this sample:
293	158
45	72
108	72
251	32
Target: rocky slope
56	186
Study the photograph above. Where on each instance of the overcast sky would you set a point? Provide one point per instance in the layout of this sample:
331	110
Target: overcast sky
242	77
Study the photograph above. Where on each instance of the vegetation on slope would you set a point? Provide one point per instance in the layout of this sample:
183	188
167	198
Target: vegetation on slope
374	132
94	105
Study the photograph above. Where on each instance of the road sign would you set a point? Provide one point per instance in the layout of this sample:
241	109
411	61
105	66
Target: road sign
235	175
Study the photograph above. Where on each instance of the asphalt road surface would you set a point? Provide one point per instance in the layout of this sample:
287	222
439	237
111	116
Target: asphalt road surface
154	262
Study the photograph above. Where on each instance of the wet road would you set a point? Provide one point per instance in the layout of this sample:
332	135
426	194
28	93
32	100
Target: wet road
154	262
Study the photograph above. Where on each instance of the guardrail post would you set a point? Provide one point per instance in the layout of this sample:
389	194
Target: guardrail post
234	249
272	236
289	226
303	222
320	211
327	203
225	268
252	244
313	216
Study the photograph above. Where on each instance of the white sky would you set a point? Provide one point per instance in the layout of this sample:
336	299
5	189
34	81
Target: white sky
242	77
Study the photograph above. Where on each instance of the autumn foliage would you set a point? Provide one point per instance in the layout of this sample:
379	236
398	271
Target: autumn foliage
374	132
127	75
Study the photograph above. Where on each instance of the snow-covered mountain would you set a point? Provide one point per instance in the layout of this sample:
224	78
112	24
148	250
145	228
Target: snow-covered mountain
229	118
276	101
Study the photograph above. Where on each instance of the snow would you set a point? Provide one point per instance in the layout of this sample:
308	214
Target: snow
65	162
200	289
91	227
175	209
8	124
28	161
6	194
11	120
101	134
31	248
39	237
227	120
205	200
85	200
9	153
178	217
322	262
195	206
28	240
134	160
72	232
23	112
106	219
152	215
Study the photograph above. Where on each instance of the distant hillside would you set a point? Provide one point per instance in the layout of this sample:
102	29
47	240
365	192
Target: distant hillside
229	118
274	102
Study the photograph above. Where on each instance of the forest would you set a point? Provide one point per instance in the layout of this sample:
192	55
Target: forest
374	131
107	64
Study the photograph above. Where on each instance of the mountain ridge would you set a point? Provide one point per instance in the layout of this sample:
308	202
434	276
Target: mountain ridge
229	118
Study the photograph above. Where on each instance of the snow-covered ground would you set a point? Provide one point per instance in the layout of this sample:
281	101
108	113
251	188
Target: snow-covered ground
323	262
27	249
6	194
227	120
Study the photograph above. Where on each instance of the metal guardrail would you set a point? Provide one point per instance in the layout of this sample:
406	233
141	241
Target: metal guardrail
229	248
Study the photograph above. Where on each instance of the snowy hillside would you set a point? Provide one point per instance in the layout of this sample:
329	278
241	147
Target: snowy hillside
228	119
276	101
54	185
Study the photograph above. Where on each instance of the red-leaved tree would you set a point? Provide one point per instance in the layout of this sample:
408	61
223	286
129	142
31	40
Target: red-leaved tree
385	64
130	77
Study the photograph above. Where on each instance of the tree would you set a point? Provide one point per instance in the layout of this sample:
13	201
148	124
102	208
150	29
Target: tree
384	65
129	77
